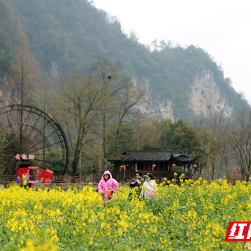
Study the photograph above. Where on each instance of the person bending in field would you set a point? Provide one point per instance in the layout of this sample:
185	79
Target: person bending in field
149	187
107	187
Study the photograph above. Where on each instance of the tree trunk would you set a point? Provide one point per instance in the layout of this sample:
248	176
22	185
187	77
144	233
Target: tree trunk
213	171
77	154
100	157
75	161
104	141
116	140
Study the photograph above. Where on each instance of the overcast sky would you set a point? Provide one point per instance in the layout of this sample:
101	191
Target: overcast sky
220	27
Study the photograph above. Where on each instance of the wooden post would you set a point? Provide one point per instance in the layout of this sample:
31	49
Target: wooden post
120	173
17	167
158	166
144	165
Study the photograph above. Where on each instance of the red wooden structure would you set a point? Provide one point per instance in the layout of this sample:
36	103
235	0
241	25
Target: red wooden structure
44	177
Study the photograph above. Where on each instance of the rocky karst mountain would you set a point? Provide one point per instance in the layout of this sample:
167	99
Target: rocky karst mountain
65	35
205	98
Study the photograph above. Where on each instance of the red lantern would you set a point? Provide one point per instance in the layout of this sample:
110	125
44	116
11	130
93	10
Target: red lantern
173	165
194	166
153	166
122	167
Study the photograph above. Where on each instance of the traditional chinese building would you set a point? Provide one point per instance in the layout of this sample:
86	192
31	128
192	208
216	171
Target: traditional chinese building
159	163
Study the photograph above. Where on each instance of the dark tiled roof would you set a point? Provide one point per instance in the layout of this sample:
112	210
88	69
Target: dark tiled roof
186	158
153	156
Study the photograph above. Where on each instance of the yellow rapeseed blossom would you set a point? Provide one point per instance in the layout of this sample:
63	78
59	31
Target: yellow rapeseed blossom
191	216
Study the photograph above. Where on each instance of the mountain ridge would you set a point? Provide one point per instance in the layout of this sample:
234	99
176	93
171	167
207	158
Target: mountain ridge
65	35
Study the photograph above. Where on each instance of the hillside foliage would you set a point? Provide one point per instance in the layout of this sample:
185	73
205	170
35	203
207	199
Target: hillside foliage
66	35
10	35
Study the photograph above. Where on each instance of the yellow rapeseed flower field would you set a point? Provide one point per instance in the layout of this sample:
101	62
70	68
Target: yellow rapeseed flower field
192	216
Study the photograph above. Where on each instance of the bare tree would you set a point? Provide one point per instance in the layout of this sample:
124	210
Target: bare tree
210	135
151	134
22	82
128	99
22	79
97	107
240	140
79	101
111	83
225	151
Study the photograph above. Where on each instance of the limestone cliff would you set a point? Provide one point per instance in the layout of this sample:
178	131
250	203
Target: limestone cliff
205	98
154	108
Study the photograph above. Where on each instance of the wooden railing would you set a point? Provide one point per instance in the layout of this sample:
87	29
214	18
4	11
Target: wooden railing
81	179
59	179
8	178
75	179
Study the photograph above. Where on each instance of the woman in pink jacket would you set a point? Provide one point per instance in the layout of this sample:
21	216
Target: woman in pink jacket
107	186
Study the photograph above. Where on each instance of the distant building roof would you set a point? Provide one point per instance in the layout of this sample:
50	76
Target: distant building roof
154	156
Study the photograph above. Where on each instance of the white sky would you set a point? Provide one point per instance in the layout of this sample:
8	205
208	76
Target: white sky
220	27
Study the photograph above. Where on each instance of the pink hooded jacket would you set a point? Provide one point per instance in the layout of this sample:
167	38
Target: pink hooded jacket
111	184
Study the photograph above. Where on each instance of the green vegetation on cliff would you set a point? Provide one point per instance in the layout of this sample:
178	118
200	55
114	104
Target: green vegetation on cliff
66	35
10	35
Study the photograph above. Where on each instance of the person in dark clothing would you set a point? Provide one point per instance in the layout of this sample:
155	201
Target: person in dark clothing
138	180
136	183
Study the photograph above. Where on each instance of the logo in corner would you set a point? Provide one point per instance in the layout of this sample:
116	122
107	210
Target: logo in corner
238	231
